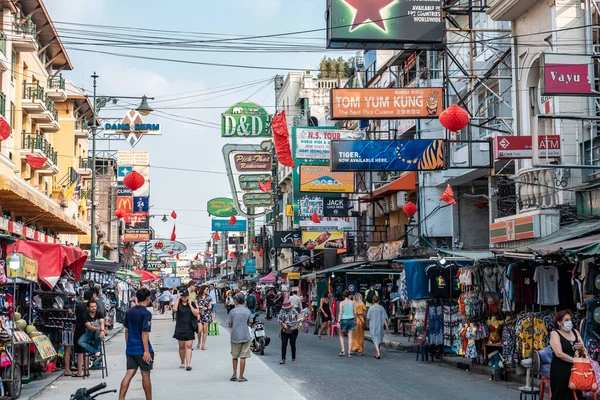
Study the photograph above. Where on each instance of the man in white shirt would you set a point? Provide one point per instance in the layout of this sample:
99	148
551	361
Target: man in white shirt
296	301
212	292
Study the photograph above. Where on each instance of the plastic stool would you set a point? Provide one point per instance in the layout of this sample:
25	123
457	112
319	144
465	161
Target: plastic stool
529	393
213	329
103	359
543	383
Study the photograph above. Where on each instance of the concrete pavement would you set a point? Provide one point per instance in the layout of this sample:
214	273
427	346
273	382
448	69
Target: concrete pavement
209	378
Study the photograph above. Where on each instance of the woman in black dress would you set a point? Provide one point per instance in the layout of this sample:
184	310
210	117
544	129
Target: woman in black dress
564	341
325	313
185	331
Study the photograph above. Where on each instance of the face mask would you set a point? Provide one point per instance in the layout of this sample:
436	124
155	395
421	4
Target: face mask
568	325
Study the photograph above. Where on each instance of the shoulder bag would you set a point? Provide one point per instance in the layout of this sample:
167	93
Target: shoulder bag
582	375
194	320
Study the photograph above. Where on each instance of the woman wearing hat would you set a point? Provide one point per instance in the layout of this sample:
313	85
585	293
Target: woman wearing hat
186	315
288	318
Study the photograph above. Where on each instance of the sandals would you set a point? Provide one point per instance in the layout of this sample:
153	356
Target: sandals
282	362
242	380
233	378
188	368
182	366
342	353
378	357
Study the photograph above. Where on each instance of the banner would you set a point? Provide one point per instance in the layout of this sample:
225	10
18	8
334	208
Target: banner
320	179
322	240
250	266
335	207
287	239
222	225
314	143
388	155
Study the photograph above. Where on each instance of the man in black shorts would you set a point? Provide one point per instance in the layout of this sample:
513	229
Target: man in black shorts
138	348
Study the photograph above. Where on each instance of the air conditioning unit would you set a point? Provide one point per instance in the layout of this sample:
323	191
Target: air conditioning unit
401	199
378	211
393	203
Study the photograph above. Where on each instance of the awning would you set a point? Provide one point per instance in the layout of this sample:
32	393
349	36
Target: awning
103	265
30	204
313	275
546	249
587	251
475	255
406	182
125	274
147	276
270	278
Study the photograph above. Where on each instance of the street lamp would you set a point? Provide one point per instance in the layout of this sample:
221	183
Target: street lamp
164	218
98	103
14	261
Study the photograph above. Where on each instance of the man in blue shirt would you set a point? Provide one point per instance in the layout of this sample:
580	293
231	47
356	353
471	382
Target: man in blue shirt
138	348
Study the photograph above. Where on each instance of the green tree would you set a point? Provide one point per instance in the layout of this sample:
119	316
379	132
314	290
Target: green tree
335	68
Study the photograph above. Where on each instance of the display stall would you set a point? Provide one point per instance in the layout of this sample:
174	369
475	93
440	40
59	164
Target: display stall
102	272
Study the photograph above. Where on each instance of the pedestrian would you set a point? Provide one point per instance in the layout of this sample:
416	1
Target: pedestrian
369	295
153	298
186	325
167	300
296	301
346	317
288	319
565	342
229	302
278	302
94	331
205	317
174	297
137	323
378	324
325	314
258	298
81	312
100	305
214	295
270	302
238	320
251	301
358	336
192	290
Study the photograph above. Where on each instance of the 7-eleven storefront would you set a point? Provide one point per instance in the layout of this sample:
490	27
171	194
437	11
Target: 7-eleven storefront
522	229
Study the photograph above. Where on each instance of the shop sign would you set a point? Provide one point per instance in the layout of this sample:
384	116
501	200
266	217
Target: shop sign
221	207
222	225
258	199
29	232
4	224
123	190
138	220
289	210
391	250
250	266
308	205
346	224
320	179
125	202
44	346
141	203
517	147
287	239
386	103
160	248
335	207
141	161
322	240
250	182
566	75
132	127
253	162
389	24
246	119
137	235
16	228
155	265
28	269
515	229
388	155
314	143
293	276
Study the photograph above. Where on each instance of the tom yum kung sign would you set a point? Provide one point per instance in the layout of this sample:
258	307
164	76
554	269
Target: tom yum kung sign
253	162
386	103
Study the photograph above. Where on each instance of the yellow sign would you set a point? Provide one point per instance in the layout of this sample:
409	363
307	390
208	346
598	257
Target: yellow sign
289	210
44	347
28	269
323	240
293	275
319	179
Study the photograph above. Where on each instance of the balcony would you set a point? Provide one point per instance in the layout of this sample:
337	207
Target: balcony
56	89
81	128
35	144
41	107
5	64
3	104
509	10
84	167
25	35
537	189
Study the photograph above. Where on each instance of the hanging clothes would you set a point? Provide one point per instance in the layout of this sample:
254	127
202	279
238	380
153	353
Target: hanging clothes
471	350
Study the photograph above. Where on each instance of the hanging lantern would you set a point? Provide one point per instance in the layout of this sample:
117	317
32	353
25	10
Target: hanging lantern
315	218
216	236
4	128
134	180
126	250
448	196
36	161
173	214
261	253
410	209
173	235
120	213
454	118
232	220
150	254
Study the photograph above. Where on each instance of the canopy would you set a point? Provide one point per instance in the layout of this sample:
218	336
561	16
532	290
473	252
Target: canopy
475	255
270	278
147	276
125	274
52	259
103	265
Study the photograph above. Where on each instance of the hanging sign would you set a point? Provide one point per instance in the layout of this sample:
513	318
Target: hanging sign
250	266
132	127
222	225
253	162
138	220
221	207
287	239
293	275
320	179
141	203
137	235
258	199
335	207
125	202
567	75
517	147
123	190
246	119
250	182
160	248
314	143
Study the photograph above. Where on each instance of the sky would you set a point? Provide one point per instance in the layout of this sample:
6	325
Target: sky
191	144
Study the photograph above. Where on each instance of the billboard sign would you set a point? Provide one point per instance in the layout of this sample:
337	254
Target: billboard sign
123	190
125	202
335	207
250	182
250	266
137	235
122	171
308	205
137	220
389	24
141	204
567	75
287	239
138	161
253	162
386	103
320	179
246	119
222	225
314	143
221	207
388	155
517	147
258	199
323	240
160	248
132	127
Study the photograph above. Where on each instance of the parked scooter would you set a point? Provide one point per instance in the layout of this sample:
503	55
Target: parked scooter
260	340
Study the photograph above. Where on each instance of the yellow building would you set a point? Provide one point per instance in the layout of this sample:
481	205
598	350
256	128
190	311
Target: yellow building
45	114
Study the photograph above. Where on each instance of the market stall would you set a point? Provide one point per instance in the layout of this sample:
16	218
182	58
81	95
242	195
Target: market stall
102	272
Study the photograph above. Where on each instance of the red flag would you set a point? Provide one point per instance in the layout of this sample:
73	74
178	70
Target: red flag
171	252
261	253
177	256
315	218
196	257
281	136
232	220
173	214
448	196
265	187
173	235
216	236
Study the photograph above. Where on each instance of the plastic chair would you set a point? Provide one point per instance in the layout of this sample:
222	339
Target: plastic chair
545	380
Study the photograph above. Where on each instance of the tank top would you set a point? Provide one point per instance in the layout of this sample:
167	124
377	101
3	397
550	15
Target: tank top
348	311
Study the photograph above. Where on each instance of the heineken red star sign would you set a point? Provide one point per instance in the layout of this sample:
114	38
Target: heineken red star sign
360	24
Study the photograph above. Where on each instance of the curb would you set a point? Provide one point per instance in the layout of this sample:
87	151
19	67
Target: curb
390	344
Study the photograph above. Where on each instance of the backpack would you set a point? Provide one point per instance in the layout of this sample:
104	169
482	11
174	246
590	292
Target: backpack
251	302
371	296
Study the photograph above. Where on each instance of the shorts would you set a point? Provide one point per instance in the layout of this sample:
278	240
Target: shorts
67	337
135	362
213	308
347	325
241	350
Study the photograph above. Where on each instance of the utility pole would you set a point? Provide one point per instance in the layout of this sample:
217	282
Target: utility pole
93	197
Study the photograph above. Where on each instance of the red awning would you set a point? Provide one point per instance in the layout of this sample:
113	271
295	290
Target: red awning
269	278
52	259
147	276
407	182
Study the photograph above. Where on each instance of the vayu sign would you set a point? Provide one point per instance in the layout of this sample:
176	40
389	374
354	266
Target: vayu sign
566	75
246	119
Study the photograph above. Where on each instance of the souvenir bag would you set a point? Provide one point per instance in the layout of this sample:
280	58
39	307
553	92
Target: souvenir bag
305	327
2	273
582	375
5	360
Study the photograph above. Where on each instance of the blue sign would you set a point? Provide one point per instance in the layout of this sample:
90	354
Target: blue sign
388	155
122	171
250	266
141	204
222	225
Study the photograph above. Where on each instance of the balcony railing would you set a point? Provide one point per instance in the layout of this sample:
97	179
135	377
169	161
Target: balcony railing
3	41
81	125
51	107
84	163
57	83
536	189
34	91
35	141
24	26
3	104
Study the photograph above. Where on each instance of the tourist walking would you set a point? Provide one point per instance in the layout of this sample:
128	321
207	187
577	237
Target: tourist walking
270	303
186	316
358	336
251	301
174	297
288	319
346	317
205	317
565	341
238	320
214	294
166	300
325	314
296	301
378	324
138	349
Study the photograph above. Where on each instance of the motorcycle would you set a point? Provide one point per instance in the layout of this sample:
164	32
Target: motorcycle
85	394
260	340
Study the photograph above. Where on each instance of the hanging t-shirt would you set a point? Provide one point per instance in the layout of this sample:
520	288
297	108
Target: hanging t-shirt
490	280
546	277
593	279
443	282
565	288
522	278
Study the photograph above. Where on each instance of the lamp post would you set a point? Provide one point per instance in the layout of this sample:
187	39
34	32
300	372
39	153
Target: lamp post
97	104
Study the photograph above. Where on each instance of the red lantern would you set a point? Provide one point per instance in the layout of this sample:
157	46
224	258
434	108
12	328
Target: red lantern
120	213
448	196
134	180
173	235
454	118
4	128
35	161
315	218
410	209
126	250
261	253
174	215
232	220
208	255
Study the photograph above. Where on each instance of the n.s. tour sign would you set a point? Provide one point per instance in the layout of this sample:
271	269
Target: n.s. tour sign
246	119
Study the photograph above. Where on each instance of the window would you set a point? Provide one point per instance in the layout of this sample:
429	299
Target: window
13	72
12	116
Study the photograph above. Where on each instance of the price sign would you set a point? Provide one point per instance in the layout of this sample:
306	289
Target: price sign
44	347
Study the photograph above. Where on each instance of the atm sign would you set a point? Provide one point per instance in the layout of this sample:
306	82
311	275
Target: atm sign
516	147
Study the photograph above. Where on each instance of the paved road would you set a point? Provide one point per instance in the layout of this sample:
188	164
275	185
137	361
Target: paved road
321	374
